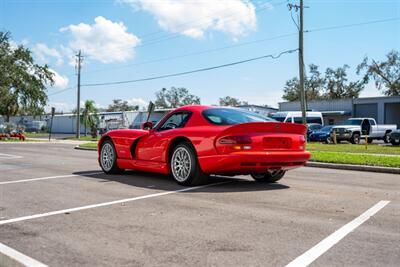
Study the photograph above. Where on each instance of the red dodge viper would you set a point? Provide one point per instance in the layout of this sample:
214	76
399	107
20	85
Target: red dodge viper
193	142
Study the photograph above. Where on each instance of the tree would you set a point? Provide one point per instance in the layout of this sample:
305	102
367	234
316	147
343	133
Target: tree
89	117
22	82
386	74
313	86
231	101
333	85
119	105
337	85
175	97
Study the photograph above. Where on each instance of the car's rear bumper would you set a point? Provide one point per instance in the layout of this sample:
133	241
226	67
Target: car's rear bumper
248	162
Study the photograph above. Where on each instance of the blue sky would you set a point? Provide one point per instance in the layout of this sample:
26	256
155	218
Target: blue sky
117	37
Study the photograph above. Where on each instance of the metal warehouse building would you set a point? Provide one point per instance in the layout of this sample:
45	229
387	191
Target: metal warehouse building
385	110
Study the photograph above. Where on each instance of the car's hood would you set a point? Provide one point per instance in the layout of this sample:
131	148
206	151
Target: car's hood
346	127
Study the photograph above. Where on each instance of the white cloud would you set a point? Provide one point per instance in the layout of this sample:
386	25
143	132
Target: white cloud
60	81
105	41
194	18
43	53
137	101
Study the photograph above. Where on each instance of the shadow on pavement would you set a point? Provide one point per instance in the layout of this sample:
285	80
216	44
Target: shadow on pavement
166	183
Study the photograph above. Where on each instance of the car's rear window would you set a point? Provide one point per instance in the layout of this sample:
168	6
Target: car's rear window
232	116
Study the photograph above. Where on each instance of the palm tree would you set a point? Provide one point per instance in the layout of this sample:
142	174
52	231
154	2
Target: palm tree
89	117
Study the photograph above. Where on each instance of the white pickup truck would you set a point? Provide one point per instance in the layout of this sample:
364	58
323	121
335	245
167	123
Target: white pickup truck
354	129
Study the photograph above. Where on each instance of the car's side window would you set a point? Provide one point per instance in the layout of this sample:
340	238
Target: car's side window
176	120
372	122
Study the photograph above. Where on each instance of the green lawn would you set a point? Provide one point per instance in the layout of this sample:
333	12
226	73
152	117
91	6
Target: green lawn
36	134
83	138
89	145
356	159
352	148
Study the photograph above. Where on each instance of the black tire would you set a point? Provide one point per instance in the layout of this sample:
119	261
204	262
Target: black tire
268	177
394	143
370	140
355	138
387	138
110	167
192	175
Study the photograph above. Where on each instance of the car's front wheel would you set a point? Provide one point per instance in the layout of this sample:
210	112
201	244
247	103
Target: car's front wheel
269	176
108	158
185	167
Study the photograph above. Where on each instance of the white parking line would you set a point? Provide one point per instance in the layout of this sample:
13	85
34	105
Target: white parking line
57	212
48	178
9	156
312	254
11	257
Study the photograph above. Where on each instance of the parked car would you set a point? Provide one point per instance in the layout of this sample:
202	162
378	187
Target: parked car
296	117
395	138
354	129
322	135
311	127
192	142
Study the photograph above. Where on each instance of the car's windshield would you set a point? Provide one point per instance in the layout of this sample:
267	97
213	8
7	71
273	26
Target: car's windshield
352	122
231	116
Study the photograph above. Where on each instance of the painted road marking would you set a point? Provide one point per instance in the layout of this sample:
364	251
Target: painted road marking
11	257
312	254
48	178
9	156
57	212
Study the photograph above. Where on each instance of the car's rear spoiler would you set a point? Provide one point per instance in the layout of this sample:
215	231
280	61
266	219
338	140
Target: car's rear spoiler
265	127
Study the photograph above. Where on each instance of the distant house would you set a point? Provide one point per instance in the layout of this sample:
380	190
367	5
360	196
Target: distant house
263	110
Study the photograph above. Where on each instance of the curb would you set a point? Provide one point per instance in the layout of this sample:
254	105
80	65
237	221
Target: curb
351	167
85	148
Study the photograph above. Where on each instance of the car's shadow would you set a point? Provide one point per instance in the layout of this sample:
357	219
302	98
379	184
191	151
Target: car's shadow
166	183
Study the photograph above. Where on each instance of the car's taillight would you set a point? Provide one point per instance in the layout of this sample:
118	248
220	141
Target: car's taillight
302	142
237	142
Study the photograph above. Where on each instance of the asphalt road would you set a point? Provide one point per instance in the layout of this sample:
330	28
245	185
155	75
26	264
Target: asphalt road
139	219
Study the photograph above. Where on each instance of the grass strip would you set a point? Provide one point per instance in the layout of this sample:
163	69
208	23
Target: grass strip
352	148
356	159
89	145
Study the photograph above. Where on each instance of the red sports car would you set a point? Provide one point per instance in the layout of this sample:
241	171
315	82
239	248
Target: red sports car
193	142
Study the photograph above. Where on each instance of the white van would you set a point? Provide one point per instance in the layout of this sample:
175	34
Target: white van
295	117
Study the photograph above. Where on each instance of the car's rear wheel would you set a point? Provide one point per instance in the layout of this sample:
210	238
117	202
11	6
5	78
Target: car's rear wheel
108	158
185	167
395	143
270	176
355	138
370	140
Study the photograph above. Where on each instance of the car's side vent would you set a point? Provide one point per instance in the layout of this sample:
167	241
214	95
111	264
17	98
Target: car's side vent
133	148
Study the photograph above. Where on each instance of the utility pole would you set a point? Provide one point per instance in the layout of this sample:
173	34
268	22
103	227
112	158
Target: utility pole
301	59
78	102
301	65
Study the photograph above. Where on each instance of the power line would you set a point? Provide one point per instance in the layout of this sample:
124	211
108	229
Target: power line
352	25
248	43
196	53
192	71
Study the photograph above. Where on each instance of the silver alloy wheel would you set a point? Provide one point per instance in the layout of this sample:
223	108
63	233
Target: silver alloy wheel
107	156
181	164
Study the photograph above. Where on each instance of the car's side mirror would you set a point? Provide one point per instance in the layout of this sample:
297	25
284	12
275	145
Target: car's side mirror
148	125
